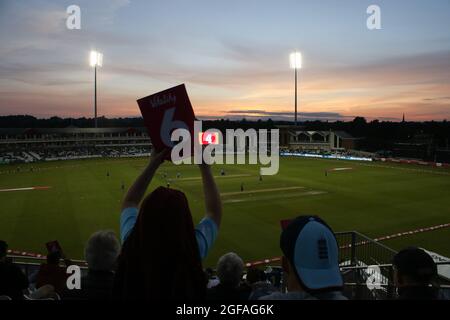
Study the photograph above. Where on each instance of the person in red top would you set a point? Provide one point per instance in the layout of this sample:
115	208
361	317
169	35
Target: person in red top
52	273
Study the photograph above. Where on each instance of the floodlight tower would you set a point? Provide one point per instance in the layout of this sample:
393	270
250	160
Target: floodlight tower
95	60
296	63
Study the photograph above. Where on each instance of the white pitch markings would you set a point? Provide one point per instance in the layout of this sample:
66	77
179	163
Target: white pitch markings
276	196
24	189
225	176
260	190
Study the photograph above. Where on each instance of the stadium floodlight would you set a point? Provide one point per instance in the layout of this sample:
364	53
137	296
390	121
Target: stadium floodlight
95	60
296	60
296	63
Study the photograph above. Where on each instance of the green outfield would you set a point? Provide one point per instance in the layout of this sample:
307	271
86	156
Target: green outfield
374	198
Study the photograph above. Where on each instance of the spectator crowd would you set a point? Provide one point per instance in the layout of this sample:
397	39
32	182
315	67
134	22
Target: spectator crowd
71	153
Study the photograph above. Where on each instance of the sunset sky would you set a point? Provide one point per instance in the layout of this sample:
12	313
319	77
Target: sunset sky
232	55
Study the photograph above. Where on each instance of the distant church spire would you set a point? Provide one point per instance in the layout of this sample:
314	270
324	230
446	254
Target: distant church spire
403	118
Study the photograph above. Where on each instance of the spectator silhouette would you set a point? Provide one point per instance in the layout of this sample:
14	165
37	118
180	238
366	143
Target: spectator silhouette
161	250
414	272
310	261
257	281
12	280
101	252
230	268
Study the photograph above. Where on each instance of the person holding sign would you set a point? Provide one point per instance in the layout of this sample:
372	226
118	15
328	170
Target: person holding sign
162	250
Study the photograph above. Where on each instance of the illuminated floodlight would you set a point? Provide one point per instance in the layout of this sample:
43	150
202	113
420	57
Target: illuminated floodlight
96	59
296	60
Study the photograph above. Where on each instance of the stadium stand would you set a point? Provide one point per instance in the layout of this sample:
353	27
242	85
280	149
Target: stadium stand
296	138
18	145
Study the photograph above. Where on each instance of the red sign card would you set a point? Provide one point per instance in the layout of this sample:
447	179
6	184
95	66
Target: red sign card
165	111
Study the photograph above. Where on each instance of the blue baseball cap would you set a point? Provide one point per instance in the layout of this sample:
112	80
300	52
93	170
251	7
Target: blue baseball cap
310	246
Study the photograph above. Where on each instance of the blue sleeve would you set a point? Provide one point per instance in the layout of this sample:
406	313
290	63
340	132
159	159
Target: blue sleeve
127	220
206	234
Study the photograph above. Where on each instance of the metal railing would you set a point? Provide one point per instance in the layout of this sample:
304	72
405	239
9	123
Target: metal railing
356	253
366	267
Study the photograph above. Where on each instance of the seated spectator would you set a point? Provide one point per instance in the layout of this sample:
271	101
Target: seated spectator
161	250
310	261
230	268
101	252
52	273
12	280
414	272
258	283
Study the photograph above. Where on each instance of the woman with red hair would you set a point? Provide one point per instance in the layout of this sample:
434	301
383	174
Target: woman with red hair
162	250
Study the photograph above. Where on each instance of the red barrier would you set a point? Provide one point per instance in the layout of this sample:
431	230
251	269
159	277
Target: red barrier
395	235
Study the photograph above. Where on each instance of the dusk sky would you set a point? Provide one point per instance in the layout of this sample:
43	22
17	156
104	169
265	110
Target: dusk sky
232	55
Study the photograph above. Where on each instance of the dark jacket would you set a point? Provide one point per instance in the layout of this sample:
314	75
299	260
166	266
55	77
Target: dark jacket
261	289
417	293
12	281
224	292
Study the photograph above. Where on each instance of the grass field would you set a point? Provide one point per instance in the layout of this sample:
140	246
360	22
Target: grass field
374	198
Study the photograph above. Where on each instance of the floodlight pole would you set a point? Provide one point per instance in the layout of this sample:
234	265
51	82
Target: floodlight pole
296	63
295	95
96	59
95	95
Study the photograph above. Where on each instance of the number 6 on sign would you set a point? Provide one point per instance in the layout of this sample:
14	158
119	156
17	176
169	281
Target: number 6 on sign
164	112
168	125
